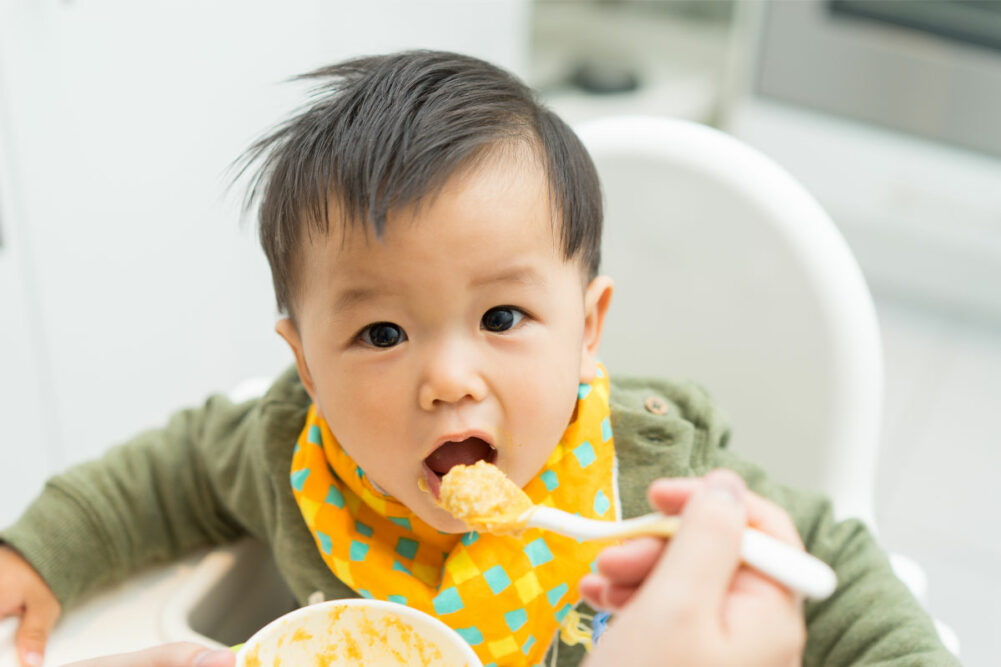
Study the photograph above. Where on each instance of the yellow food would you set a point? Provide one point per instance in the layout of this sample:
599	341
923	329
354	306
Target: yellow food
351	637
485	499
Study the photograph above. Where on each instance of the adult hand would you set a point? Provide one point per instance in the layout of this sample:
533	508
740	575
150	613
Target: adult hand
168	655
692	602
24	593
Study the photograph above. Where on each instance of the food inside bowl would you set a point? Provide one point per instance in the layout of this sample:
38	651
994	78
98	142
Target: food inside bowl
353	633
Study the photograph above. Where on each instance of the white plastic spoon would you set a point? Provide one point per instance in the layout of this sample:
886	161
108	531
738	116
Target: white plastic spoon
483	496
794	569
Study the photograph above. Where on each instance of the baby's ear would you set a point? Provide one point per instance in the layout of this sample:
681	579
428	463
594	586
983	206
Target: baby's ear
597	296
287	330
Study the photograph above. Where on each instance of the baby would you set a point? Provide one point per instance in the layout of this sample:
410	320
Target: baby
433	234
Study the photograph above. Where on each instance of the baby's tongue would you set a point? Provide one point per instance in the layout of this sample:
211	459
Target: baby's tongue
467	452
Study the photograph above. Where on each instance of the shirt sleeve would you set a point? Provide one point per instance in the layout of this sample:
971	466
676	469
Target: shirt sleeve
872	618
155	498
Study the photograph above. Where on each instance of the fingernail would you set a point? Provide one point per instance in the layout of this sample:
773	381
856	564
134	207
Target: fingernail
207	658
725	487
33	658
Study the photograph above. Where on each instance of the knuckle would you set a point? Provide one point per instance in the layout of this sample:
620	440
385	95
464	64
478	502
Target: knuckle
728	476
684	613
717	518
779	521
34	635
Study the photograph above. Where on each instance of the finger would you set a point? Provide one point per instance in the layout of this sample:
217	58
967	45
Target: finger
9	604
616	597
11	582
11	598
770	518
220	658
750	582
770	613
705	554
669	495
630	563
602	594
183	654
592	589
40	615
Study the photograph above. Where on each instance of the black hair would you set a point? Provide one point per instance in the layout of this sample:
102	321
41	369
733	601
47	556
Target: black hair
382	132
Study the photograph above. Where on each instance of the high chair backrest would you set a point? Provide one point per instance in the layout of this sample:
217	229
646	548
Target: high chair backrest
728	272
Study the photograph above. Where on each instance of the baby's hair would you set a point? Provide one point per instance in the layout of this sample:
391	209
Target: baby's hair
384	132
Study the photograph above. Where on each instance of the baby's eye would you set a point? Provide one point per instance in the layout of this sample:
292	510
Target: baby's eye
501	318
382	334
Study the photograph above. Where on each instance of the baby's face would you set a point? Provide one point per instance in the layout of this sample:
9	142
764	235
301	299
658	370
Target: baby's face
462	334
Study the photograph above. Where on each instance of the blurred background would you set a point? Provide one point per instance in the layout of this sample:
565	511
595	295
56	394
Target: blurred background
129	288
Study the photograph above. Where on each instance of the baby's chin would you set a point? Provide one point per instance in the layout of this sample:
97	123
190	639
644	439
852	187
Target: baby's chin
421	503
452	526
428	511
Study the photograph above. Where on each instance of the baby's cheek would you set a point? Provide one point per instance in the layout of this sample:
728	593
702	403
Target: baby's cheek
363	417
542	432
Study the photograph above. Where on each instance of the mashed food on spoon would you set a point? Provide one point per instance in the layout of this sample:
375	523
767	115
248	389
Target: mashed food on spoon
483	497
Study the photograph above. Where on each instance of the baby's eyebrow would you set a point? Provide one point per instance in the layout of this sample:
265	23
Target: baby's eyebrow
525	275
356	295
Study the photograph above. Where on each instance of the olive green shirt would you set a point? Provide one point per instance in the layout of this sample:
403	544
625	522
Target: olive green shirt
221	471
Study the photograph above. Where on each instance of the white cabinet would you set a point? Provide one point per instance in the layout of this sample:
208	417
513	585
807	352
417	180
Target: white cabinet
123	118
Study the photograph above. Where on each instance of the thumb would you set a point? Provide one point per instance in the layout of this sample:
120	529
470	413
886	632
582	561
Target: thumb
184	654
703	556
181	654
36	624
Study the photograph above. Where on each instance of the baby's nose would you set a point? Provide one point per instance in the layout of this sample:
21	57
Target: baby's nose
451	377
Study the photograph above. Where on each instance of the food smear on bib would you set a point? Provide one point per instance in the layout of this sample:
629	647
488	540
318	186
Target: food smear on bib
485	499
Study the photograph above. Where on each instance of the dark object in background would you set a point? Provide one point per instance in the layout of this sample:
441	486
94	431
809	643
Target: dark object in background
967	21
600	76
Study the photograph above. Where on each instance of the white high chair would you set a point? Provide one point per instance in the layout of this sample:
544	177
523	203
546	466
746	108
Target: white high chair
728	272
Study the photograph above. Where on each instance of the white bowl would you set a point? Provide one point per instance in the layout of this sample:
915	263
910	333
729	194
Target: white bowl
356	632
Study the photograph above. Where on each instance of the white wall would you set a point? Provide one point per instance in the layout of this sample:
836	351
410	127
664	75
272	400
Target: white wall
121	119
25	427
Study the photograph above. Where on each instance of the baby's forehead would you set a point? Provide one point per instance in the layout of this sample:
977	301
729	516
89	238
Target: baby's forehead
409	249
491	224
431	256
502	192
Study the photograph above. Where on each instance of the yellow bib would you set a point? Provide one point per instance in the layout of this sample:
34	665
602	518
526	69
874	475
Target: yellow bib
506	596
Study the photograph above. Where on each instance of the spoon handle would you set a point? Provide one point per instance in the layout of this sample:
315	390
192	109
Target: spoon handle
571	525
793	568
654	524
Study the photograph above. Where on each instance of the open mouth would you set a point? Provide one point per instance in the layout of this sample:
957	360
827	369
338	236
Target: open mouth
453	453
